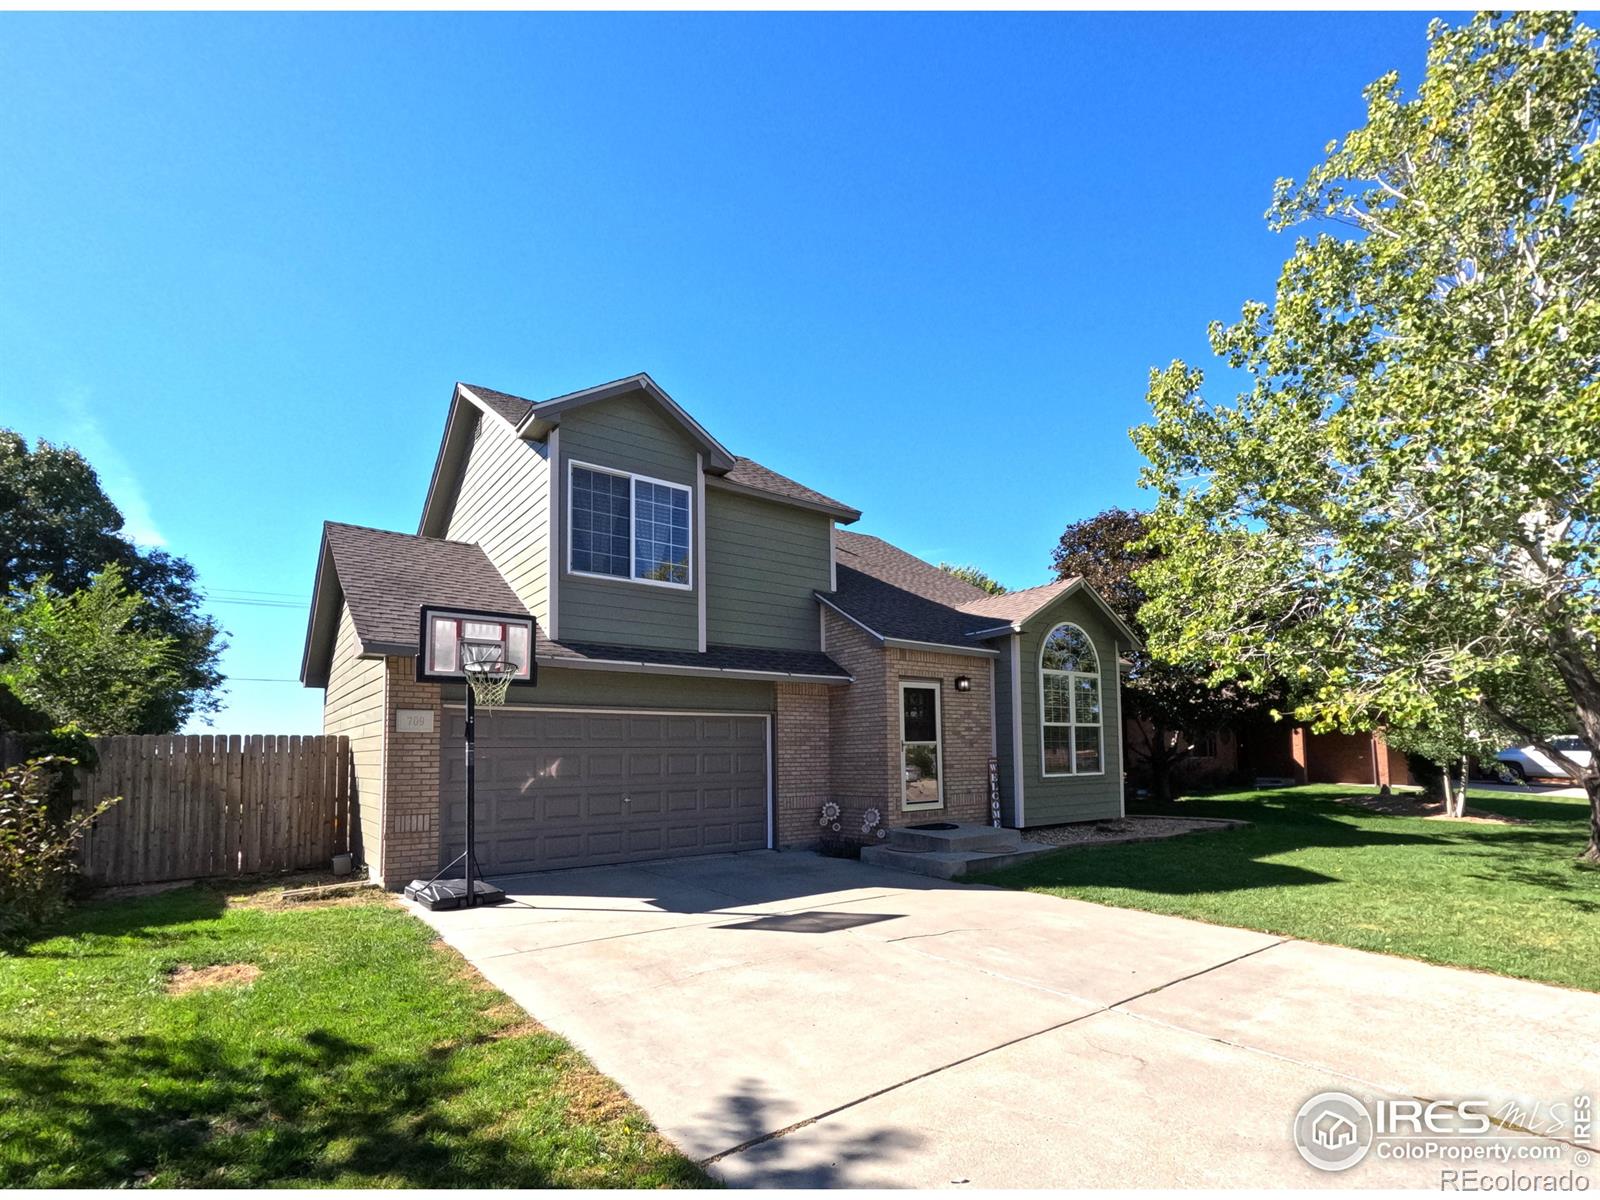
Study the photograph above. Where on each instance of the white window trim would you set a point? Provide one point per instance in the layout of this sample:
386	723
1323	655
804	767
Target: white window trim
634	479
931	685
1072	710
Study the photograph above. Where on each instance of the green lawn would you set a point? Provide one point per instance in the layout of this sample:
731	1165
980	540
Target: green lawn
1506	898
363	1055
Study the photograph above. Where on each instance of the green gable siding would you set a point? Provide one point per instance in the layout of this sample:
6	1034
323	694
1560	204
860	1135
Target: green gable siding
628	433
763	562
1050	800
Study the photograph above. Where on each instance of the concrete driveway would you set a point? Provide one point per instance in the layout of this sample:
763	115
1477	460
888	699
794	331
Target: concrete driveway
798	1021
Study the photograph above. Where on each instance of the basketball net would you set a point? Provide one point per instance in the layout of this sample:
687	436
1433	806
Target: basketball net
490	680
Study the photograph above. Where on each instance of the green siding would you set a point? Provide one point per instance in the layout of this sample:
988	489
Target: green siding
1055	799
763	562
627	433
620	689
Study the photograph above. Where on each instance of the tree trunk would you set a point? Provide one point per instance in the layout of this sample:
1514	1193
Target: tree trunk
1449	794
1591	784
1463	789
1161	783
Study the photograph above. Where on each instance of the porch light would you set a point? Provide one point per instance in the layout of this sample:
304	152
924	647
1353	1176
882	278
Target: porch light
963	683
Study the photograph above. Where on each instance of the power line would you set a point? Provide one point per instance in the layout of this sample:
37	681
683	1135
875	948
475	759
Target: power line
255	592
300	604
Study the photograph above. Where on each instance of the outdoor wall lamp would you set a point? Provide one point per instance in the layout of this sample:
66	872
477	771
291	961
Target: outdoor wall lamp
963	683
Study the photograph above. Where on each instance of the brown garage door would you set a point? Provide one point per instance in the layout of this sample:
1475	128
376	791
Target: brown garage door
576	789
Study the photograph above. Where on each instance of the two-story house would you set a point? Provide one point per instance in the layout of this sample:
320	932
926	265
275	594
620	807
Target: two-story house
719	662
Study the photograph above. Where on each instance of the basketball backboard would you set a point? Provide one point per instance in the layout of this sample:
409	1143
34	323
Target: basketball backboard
451	637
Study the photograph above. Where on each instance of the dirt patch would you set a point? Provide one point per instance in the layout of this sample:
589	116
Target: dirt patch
133	891
591	1097
1405	804
182	980
1122	829
271	896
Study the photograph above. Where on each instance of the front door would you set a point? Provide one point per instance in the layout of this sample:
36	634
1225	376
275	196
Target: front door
921	765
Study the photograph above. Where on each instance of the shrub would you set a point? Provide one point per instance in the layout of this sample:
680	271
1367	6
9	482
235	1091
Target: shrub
36	846
71	745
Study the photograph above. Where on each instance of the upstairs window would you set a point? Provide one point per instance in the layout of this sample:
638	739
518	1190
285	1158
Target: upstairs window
628	527
1069	683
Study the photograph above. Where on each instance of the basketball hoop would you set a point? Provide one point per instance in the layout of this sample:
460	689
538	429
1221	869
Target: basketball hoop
490	680
488	652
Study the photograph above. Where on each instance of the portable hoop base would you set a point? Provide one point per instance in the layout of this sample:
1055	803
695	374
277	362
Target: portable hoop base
444	894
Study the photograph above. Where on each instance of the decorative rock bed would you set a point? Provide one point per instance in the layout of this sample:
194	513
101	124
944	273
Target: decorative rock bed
1126	829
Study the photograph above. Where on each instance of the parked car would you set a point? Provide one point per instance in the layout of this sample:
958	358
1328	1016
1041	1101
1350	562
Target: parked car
1530	762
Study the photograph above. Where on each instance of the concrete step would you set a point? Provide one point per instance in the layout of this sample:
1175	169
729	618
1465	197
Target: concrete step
962	837
951	864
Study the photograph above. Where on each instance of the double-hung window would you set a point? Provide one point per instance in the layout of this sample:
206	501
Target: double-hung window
628	526
1069	682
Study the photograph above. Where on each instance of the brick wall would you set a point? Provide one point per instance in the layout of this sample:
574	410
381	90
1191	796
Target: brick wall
861	720
865	726
410	780
964	733
802	747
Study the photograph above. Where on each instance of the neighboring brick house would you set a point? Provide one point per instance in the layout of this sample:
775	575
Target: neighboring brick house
717	660
1264	750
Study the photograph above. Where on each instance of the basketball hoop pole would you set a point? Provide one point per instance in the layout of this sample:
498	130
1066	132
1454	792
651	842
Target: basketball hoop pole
473	648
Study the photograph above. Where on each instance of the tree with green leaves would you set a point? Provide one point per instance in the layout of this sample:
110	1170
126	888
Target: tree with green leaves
1398	511
976	577
60	527
1443	747
81	658
1169	705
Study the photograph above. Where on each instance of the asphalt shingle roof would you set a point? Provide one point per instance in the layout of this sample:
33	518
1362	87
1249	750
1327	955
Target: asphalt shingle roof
387	577
898	595
751	474
875	557
512	408
1019	606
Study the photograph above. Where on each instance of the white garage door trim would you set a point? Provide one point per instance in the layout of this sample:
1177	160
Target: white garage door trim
766	725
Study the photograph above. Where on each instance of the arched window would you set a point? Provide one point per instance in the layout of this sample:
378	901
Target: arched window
1069	703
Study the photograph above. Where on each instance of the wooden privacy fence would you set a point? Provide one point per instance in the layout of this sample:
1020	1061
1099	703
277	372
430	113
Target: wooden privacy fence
197	806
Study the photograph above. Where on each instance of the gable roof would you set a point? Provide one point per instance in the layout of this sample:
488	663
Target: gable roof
545	414
901	598
1012	609
386	578
531	419
503	404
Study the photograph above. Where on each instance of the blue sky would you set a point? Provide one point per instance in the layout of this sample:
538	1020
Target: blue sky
921	263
